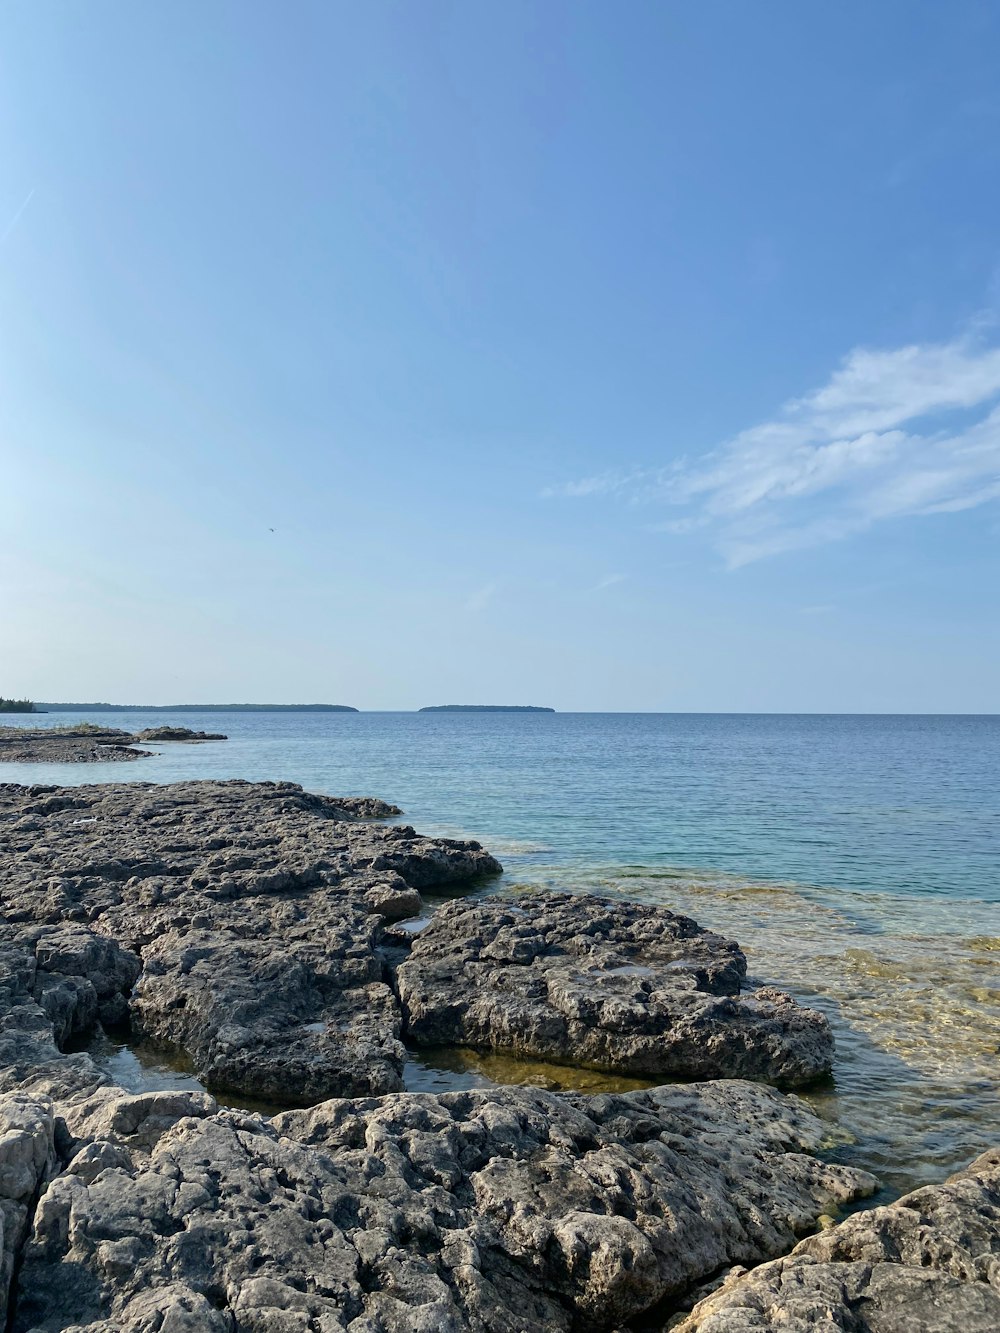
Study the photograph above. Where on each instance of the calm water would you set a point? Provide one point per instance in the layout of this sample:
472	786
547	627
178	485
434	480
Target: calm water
857	860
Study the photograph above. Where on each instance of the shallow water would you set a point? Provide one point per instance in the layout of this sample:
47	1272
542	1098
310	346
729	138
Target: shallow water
857	860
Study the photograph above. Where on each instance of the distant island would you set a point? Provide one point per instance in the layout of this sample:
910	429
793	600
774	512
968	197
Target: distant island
484	708
193	708
17	706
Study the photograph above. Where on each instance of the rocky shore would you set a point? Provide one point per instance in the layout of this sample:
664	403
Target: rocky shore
88	744
255	928
929	1263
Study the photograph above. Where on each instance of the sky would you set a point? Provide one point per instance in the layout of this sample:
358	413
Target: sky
606	357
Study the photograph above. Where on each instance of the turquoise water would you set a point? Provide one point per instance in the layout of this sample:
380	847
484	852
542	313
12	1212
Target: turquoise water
857	860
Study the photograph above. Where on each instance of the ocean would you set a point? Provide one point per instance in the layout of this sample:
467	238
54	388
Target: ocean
855	858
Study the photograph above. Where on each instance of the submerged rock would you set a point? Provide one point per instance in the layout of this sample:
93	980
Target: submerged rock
508	1211
607	984
929	1263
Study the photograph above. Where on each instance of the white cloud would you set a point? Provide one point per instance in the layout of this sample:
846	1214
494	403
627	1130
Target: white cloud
608	581
889	435
481	598
605	483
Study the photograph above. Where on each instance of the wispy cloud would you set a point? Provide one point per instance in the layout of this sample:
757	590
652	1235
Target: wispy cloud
907	431
481	598
605	483
16	218
608	581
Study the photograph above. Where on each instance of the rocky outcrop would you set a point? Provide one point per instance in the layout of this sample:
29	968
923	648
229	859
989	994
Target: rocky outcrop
607	984
250	925
508	1211
929	1263
177	734
256	911
88	743
91	745
493	1212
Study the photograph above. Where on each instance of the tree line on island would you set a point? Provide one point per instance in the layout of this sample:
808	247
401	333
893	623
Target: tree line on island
194	708
27	706
484	708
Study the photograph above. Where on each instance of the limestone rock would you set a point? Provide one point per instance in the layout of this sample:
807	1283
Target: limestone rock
274	1017
929	1263
254	911
27	1158
608	984
508	1211
95	745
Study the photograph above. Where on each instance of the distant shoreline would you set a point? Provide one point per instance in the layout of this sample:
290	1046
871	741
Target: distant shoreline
195	708
484	708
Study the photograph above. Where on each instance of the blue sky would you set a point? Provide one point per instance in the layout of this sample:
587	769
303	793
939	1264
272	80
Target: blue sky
608	357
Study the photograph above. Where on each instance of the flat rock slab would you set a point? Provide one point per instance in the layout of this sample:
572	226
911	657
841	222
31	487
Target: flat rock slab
19	745
929	1263
612	985
253	910
507	1211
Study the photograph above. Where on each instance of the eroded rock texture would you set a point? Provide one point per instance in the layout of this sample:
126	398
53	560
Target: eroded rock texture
255	909
614	985
27	1158
929	1263
490	1211
508	1211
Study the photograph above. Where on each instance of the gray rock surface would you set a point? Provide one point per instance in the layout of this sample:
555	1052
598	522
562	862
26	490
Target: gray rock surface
27	1158
929	1263
245	924
167	733
254	911
93	745
508	1211
609	984
504	1210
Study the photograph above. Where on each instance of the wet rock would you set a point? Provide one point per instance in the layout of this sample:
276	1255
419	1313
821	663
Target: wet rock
508	1211
929	1263
254	910
607	984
